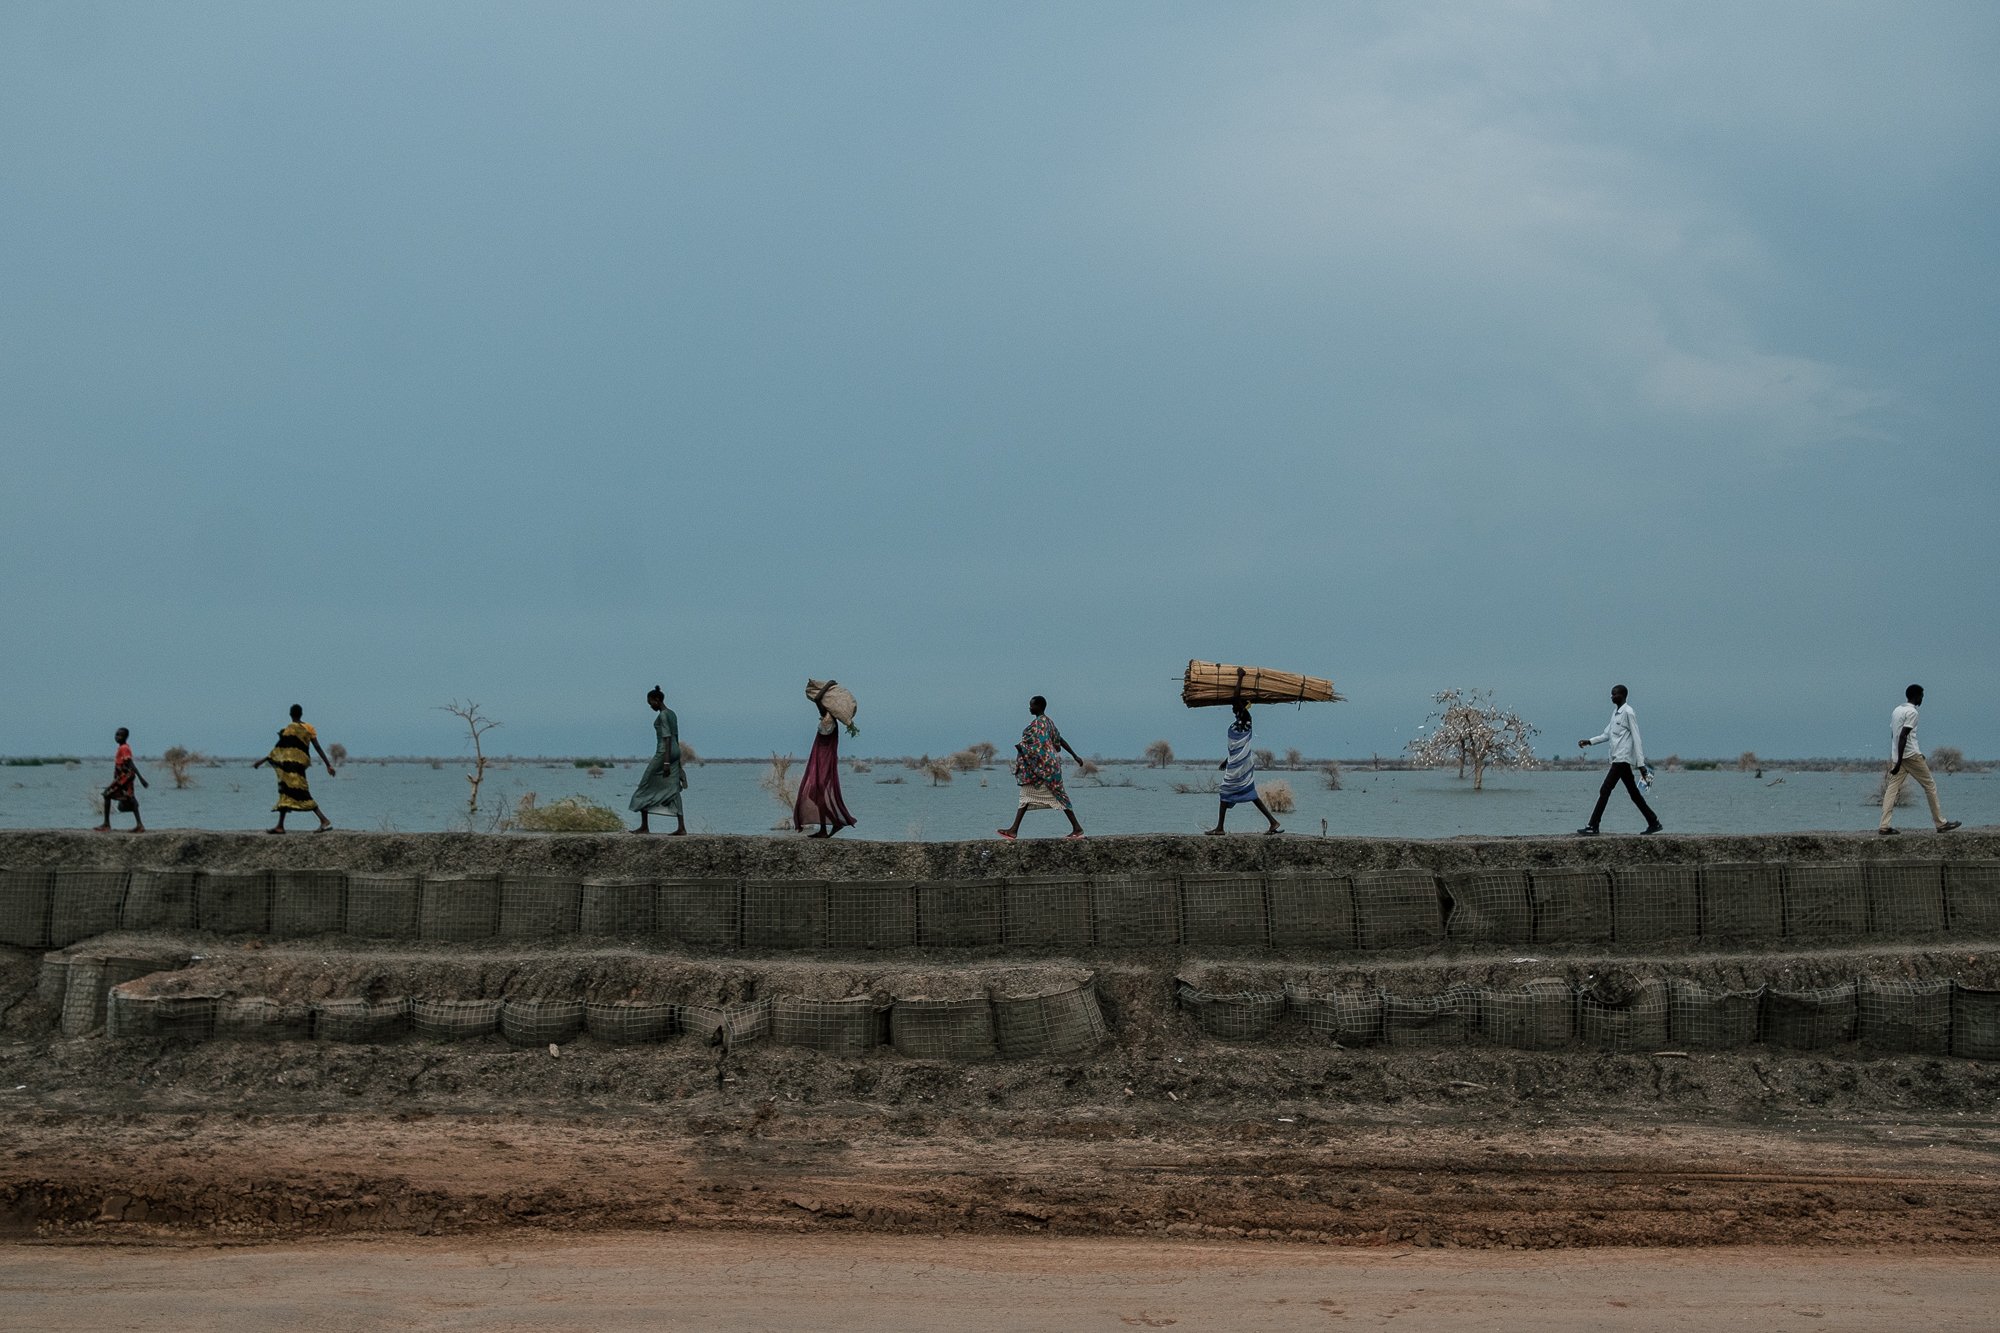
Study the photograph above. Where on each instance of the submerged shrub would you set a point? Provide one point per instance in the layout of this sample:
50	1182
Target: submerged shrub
571	814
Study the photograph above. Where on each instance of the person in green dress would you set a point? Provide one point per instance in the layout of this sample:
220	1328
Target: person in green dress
661	785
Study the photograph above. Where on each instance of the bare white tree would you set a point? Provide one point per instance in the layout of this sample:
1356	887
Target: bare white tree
477	726
1470	729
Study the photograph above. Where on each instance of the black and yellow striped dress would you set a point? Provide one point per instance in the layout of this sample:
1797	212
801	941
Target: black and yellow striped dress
292	758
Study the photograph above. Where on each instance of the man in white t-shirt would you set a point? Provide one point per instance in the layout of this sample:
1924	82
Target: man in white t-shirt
1906	759
1627	754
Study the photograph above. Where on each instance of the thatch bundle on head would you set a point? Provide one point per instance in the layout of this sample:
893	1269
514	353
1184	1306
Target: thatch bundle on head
1208	684
834	697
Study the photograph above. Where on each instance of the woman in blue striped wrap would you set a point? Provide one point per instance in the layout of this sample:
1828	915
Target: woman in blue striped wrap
1239	775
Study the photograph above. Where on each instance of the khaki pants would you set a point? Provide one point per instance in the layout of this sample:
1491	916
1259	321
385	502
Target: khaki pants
1913	767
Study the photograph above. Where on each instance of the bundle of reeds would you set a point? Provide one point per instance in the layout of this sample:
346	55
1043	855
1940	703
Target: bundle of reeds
835	698
1208	684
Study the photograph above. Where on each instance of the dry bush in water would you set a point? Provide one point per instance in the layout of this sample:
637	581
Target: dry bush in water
1264	759
1278	797
984	750
1159	754
571	814
477	726
179	759
1330	774
1294	758
1470	728
965	761
938	771
859	766
338	753
1088	769
777	781
1199	787
688	756
1748	761
1945	759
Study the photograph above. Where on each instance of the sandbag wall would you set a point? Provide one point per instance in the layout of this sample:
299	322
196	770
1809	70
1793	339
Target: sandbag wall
1302	910
1059	1019
1897	1016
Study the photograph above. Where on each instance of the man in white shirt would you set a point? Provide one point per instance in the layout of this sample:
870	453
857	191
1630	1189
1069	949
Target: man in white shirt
1906	759
1627	754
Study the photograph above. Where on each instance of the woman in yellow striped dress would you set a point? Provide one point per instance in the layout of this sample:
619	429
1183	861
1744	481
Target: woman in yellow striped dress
292	760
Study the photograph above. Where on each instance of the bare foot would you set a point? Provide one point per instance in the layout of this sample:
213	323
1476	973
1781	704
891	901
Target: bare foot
638	830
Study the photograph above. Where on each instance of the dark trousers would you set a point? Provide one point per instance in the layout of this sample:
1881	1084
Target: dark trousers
1621	773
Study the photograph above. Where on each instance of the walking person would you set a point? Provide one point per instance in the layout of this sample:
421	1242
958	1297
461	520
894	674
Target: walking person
665	778
1038	769
291	760
1239	775
123	774
1627	755
819	800
1906	759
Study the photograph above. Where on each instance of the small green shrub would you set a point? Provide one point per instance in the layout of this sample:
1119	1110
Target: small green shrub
571	814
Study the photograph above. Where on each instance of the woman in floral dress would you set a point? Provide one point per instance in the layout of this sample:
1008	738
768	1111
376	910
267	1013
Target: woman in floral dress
1038	769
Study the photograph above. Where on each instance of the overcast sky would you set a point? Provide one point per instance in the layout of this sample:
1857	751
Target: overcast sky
369	356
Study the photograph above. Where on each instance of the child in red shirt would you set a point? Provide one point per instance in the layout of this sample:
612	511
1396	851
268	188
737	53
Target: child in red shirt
123	773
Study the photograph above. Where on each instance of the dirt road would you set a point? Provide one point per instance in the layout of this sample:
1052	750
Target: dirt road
740	1281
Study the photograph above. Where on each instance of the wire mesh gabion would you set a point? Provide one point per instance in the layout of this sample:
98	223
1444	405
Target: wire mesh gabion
361	1021
260	1018
1572	904
453	1019
1698	1017
1396	909
851	1026
1064	1019
1742	901
132	1013
159	900
1311	909
458	908
24	907
1975	1022
1127	912
1623	1016
959	913
1429	1020
1825	900
308	902
927	1029
1349	1018
525	1022
1049	912
700	913
871	914
233	902
1904	897
1232	1016
87	980
536	907
83	903
727	1025
1540	1016
382	907
1810	1020
1972	898
1225	910
1903	1016
784	914
618	909
1652	904
1488	907
630	1022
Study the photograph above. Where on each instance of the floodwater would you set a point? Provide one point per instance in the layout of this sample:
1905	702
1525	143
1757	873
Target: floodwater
896	804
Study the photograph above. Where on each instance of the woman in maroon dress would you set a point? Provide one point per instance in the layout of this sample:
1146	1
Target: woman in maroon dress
819	790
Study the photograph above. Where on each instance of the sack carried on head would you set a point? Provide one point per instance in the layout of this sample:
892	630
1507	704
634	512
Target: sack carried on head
836	698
